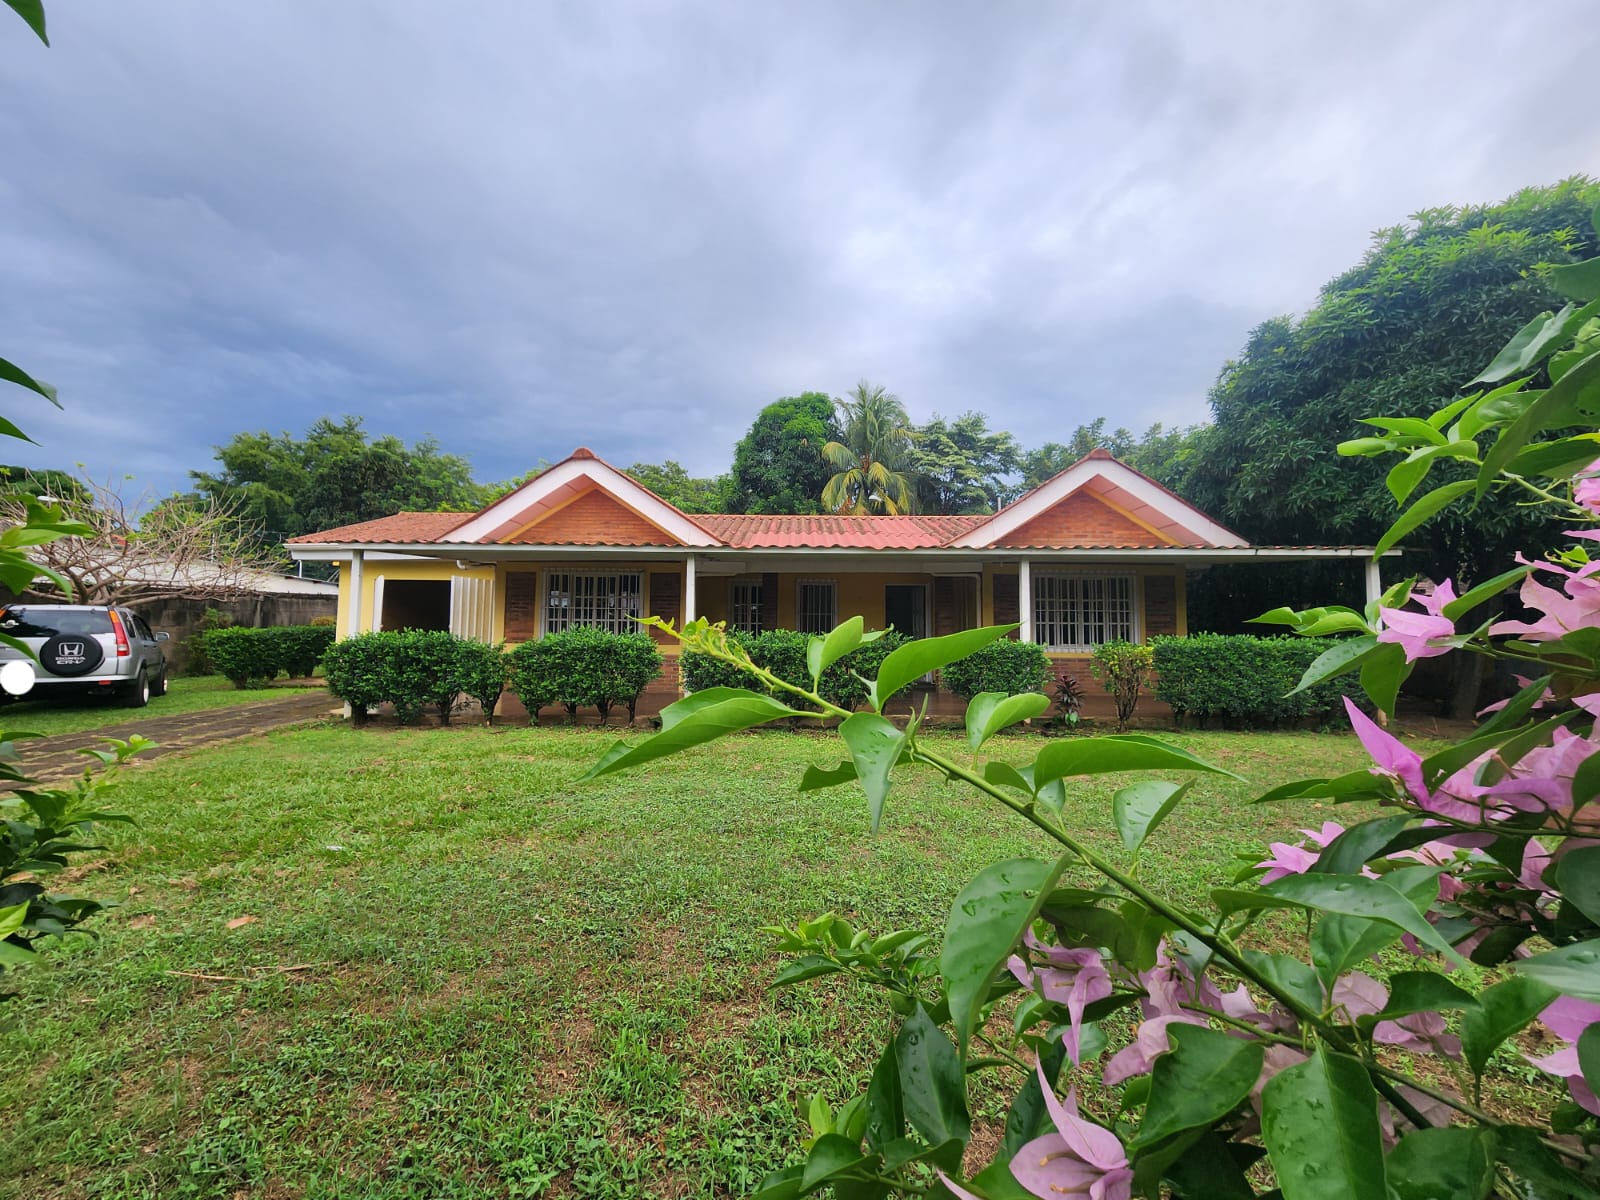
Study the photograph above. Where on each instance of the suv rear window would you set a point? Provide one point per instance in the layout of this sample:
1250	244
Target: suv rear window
46	622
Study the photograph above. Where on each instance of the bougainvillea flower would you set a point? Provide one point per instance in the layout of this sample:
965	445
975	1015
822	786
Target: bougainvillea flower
1287	860
1416	632
1567	1018
1079	1159
1075	978
1149	1044
1389	755
1576	606
1171	987
1586	487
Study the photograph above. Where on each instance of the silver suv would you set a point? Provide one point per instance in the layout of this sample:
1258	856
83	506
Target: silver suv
87	648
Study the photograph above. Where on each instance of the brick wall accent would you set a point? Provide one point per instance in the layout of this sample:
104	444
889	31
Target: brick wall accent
1007	605
522	615
666	600
1160	605
1082	520
593	519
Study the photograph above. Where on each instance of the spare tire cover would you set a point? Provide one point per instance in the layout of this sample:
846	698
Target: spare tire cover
71	654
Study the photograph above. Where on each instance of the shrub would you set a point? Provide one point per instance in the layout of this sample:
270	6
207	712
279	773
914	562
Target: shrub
1123	668
1069	698
531	668
1003	666
199	660
301	647
324	622
358	672
482	674
247	657
1244	680
841	683
701	671
631	662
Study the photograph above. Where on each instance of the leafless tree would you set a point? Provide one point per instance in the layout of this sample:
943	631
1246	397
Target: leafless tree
139	552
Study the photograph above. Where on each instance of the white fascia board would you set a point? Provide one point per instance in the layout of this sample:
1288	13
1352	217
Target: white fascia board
641	500
1051	493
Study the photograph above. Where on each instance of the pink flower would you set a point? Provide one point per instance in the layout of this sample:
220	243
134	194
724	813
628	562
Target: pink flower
1567	1018
1287	860
1079	1159
1586	487
1576	606
1076	978
1389	756
1149	1044
1417	632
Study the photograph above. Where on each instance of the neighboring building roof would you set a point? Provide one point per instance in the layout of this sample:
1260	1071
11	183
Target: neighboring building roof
1098	502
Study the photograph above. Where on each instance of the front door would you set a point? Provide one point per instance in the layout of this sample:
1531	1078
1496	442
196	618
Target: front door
905	608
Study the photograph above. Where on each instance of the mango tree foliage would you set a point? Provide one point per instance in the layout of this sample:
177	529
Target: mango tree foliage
778	465
673	483
961	466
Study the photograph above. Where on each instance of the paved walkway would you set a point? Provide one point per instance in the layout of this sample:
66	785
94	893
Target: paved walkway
57	757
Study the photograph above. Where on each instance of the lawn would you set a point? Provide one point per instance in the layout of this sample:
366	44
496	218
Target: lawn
504	983
184	695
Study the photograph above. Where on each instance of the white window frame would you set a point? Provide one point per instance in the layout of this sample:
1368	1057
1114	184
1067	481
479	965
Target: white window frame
804	620
747	613
601	608
1076	611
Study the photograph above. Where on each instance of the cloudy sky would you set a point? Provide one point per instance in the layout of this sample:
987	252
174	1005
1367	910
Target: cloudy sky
519	227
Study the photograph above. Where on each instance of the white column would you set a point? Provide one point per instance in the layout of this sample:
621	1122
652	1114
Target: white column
688	589
1374	582
357	582
1025	599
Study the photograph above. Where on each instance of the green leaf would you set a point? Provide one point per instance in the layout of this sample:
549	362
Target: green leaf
1558	459
1501	1012
707	723
817	778
1443	1164
908	663
1421	991
1357	896
1140	807
1207	1168
1405	476
1382	673
1005	775
987	920
996	1182
1353	785
1523	1150
830	1155
12	373
1407	427
705	698
11	919
1112	753
1589	1055
886	1114
1553	409
990	712
1291	975
1204	1077
876	746
1233	900
1573	969
809	966
1579	280
1336	660
1319	1120
1430	504
1578	875
31	11
1586	781
781	1185
1530	344
933	1085
1358	845
1028	1115
823	652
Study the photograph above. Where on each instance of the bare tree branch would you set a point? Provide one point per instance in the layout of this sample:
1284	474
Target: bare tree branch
182	546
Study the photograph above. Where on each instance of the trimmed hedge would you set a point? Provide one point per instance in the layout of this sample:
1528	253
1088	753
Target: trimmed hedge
579	667
1245	680
1003	666
414	670
783	652
251	657
357	671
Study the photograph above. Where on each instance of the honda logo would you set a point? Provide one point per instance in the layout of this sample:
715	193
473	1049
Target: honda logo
69	652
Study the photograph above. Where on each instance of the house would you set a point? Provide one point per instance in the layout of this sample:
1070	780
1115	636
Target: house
1096	553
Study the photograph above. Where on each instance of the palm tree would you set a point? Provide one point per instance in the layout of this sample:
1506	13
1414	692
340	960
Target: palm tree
872	459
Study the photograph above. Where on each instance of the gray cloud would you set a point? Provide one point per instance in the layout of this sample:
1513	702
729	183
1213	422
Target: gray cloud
522	227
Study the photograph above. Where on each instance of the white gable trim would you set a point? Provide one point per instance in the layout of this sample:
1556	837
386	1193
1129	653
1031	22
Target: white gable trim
1053	491
609	480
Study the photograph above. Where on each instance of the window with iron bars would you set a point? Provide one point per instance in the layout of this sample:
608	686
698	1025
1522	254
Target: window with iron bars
817	605
746	604
607	601
1079	612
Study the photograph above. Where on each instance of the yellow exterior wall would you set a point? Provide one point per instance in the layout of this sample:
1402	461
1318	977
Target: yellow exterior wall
427	570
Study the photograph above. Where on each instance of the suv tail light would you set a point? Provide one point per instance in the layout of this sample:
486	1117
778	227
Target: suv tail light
123	649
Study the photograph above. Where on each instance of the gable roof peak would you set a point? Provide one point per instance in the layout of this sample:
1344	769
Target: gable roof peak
583	452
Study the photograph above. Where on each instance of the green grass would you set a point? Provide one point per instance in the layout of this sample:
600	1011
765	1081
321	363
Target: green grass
518	985
184	695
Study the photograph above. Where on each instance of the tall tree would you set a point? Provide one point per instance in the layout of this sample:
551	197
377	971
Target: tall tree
334	476
778	465
872	458
673	483
1159	452
1402	331
961	467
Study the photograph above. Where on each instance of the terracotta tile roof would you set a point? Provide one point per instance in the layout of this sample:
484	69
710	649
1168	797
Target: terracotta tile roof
404	527
744	531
